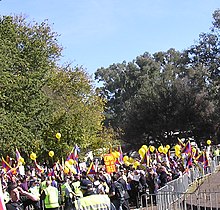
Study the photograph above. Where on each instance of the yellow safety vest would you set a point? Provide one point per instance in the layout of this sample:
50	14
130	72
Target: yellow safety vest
35	191
43	185
51	199
77	190
93	202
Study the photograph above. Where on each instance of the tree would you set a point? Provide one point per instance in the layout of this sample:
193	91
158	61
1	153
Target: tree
39	98
27	55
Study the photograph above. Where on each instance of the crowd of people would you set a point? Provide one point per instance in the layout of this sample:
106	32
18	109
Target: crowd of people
123	188
118	190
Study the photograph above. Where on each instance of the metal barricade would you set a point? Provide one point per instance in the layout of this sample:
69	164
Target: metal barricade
174	194
185	201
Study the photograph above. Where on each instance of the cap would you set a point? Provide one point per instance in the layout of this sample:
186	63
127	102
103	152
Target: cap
85	184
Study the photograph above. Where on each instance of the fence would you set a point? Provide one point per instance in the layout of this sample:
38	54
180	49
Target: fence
174	195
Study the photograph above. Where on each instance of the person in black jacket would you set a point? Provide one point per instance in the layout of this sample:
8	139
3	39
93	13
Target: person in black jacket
162	176
151	179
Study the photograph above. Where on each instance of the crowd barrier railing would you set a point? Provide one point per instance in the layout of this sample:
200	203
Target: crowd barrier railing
173	195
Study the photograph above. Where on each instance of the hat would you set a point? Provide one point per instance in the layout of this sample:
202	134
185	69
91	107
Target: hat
85	184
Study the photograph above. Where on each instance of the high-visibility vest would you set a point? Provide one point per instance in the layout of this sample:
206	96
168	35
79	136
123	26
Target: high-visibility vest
93	202
51	199
77	191
43	185
63	189
216	152
35	191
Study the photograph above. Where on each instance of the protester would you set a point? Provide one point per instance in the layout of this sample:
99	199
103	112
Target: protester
19	198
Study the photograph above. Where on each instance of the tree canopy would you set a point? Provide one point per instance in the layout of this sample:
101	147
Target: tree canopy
39	98
155	96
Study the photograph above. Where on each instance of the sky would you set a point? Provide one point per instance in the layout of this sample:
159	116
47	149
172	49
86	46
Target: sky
98	33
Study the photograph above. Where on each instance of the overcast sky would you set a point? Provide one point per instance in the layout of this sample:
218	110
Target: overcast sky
98	33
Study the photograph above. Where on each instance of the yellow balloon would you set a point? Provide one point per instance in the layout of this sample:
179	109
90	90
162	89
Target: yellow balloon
145	147
126	163
21	160
168	146
160	149
194	150
208	142
165	150
125	158
177	147
71	161
136	163
33	156
141	152
66	170
51	153
177	153
152	148
131	160
58	135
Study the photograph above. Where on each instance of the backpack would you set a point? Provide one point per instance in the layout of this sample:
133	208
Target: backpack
120	191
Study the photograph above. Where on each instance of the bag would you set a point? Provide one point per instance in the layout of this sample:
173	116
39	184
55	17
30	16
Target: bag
120	191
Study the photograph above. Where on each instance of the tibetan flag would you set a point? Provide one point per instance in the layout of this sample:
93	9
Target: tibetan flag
188	148
74	154
146	160
78	171
18	155
158	157
38	167
181	143
76	151
5	165
91	169
189	161
206	161
196	154
51	173
13	171
201	157
2	204
120	158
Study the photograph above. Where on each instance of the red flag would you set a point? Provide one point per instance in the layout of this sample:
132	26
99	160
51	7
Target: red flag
201	157
5	165
206	161
188	148
189	161
91	169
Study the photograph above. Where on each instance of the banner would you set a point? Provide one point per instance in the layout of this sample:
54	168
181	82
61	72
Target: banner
109	161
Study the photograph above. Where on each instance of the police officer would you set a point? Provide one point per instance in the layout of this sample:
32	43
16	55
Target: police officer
50	195
90	199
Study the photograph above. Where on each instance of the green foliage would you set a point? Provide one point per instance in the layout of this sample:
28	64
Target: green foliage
38	98
156	95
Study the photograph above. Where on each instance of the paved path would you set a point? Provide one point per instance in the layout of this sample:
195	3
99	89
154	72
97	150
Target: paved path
207	193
